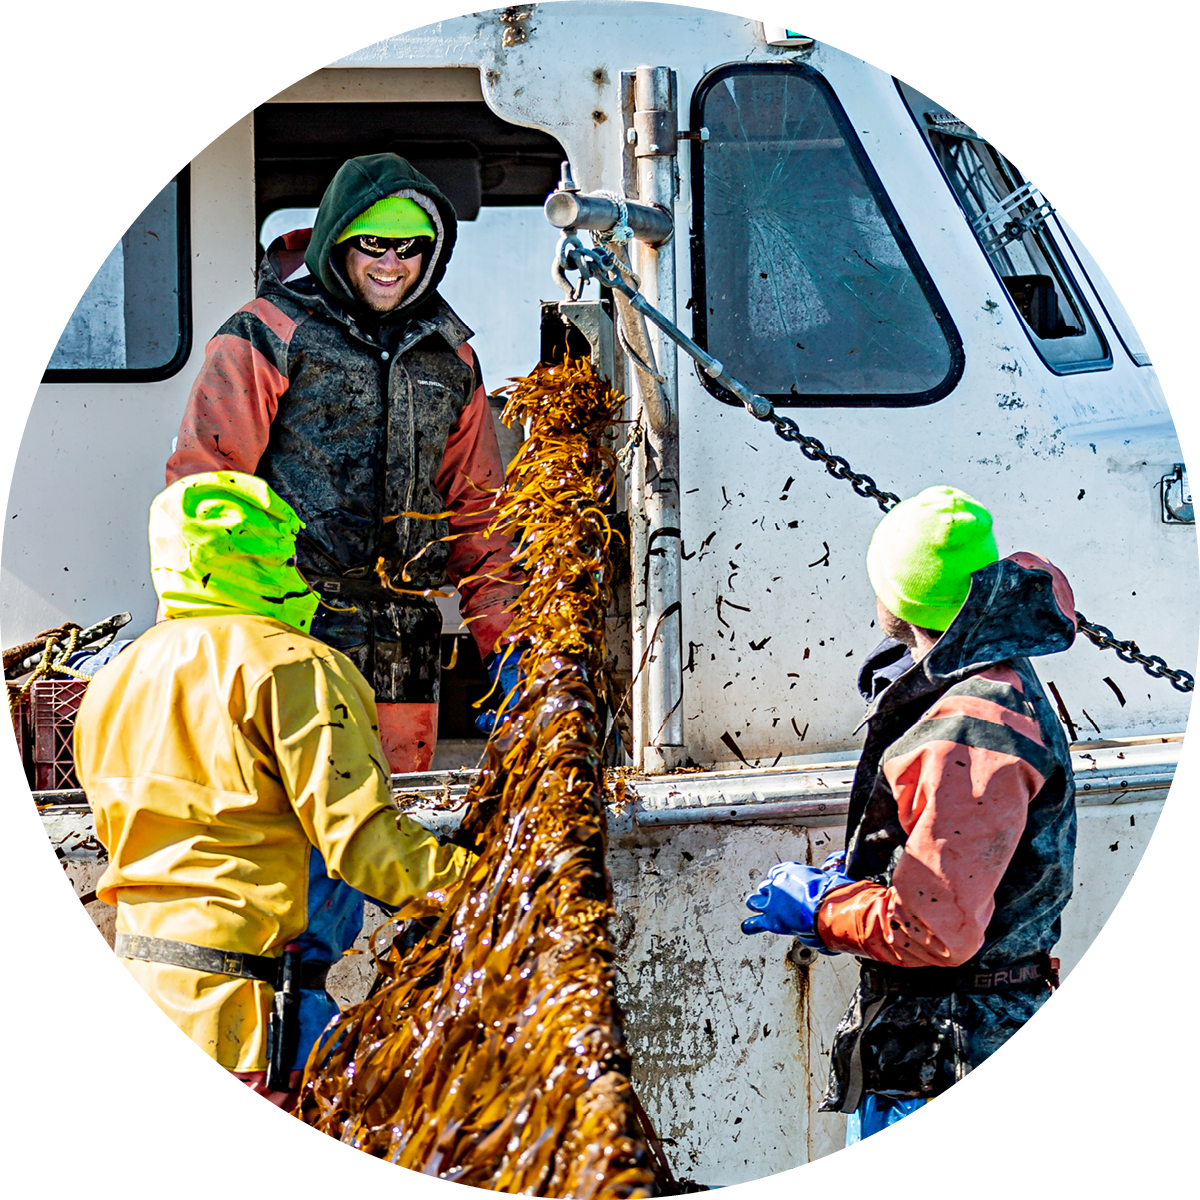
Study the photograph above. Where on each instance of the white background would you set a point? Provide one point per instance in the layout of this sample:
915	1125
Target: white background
103	102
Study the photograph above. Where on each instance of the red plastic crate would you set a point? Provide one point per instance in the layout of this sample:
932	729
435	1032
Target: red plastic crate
55	703
23	728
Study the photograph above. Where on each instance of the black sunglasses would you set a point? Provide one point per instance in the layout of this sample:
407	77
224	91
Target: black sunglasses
377	247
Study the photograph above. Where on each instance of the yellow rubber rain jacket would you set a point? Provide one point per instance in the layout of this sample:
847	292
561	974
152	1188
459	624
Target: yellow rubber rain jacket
216	751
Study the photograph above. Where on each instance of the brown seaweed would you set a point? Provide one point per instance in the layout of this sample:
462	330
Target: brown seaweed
491	1051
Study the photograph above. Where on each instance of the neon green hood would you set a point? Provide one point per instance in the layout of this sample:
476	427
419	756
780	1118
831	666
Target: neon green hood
224	542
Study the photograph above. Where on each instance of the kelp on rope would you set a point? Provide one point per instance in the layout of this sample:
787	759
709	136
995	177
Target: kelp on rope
492	1053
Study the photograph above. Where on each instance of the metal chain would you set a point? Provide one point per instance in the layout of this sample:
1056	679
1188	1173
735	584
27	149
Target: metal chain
1128	652
865	486
835	464
600	264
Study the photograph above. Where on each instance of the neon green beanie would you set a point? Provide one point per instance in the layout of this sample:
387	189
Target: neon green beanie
224	542
393	216
924	552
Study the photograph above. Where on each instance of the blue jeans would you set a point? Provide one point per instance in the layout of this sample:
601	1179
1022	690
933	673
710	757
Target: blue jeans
876	1113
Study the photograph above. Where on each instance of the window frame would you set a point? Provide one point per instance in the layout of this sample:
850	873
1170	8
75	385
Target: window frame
1124	329
1086	367
183	240
933	298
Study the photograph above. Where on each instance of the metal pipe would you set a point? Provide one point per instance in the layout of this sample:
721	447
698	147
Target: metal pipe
811	812
654	494
816	796
584	210
1102	792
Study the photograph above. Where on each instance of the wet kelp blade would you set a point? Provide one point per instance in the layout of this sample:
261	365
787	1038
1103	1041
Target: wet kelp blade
492	1052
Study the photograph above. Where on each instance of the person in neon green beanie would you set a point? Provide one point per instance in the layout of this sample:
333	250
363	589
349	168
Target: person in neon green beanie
922	556
350	386
385	249
960	837
240	786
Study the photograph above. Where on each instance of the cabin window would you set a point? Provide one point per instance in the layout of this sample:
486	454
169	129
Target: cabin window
133	322
806	285
1011	220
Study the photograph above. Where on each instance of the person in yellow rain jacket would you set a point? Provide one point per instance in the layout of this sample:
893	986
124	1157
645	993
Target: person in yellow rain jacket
238	781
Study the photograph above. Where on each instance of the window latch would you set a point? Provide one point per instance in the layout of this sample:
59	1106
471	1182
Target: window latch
681	135
1177	498
1019	213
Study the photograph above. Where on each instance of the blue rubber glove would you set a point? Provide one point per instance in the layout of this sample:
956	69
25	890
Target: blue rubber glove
788	899
504	671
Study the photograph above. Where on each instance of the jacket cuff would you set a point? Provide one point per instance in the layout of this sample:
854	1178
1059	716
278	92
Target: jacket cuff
840	921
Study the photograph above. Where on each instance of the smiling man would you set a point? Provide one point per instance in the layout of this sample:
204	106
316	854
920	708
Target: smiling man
349	385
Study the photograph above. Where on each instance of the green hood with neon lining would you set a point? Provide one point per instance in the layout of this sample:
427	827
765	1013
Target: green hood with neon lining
224	542
358	184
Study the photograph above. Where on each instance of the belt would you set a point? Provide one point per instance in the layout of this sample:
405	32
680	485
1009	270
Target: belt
365	589
217	962
944	981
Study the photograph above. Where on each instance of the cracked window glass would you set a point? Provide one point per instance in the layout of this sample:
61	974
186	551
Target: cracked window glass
1009	217
806	287
132	320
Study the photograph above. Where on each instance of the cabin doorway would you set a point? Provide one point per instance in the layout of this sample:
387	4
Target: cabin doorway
497	176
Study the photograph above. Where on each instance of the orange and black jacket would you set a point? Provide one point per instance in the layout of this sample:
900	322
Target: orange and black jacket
376	430
960	837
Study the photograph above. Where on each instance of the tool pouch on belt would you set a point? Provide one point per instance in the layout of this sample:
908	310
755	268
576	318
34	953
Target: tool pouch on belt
912	1032
283	1026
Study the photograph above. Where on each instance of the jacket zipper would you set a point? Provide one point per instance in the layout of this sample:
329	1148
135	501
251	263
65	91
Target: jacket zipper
412	466
403	535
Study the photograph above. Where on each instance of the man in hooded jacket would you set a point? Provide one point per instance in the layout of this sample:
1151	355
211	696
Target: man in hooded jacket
234	767
960	838
349	385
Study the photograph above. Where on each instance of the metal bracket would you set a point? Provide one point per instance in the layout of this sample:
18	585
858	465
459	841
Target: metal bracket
1026	211
1176	494
589	317
654	132
785	39
682	135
